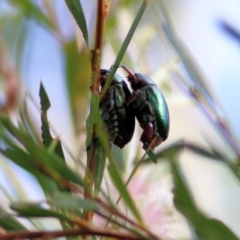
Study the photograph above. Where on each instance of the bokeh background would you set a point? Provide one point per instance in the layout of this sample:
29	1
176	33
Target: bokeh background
208	30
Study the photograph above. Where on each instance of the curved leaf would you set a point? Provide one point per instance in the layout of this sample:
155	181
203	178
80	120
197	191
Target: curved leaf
207	229
76	9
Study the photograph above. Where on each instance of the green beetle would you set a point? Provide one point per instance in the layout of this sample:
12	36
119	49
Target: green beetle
150	108
117	116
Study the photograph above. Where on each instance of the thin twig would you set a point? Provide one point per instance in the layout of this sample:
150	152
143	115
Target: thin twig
96	60
67	233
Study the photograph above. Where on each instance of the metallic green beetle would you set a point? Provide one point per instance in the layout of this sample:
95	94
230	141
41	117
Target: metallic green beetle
117	116
150	109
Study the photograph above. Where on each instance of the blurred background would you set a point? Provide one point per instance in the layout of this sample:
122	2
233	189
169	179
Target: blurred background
46	46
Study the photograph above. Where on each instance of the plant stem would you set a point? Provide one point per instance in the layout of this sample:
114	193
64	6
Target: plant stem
96	60
67	233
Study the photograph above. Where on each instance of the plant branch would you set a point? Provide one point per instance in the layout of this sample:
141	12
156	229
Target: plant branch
96	60
67	233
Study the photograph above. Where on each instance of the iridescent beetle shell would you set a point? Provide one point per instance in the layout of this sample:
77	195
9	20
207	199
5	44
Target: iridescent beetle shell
117	116
150	108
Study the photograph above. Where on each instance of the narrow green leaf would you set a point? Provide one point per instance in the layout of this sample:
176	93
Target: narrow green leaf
206	228
187	60
115	176
28	124
113	171
45	102
179	146
22	159
173	149
100	163
124	46
43	159
10	223
182	198
76	9
29	209
30	10
46	135
78	81
68	201
202	151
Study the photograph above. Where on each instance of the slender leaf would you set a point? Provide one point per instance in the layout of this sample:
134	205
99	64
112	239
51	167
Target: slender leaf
202	151
124	46
169	151
29	209
100	163
179	146
207	229
28	123
68	201
22	159
76	9
10	223
46	135
30	10
44	161
187	60
78	77
115	176
113	171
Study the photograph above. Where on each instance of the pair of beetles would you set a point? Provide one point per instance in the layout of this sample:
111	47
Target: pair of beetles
119	107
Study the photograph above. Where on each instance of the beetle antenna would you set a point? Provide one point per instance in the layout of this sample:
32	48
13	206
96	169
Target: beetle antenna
131	74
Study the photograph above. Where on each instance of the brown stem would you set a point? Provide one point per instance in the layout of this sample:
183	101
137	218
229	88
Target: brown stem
96	60
67	233
10	78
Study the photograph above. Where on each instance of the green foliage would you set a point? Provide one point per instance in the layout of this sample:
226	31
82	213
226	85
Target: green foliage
100	163
30	10
76	9
78	74
10	223
46	135
70	198
122	189
205	228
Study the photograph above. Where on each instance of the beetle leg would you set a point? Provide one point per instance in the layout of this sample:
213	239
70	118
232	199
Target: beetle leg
147	134
133	97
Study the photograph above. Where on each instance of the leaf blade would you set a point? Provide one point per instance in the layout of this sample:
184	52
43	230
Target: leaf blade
75	8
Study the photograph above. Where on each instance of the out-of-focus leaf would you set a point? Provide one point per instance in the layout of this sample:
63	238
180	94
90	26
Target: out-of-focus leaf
78	76
206	228
76	9
187	60
22	159
46	135
30	10
172	150
120	156
100	163
180	145
44	100
15	32
68	201
28	123
115	176
202	151
49	186
10	223
124	46
29	209
42	159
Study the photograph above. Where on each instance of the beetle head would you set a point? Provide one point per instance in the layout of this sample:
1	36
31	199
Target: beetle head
134	79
